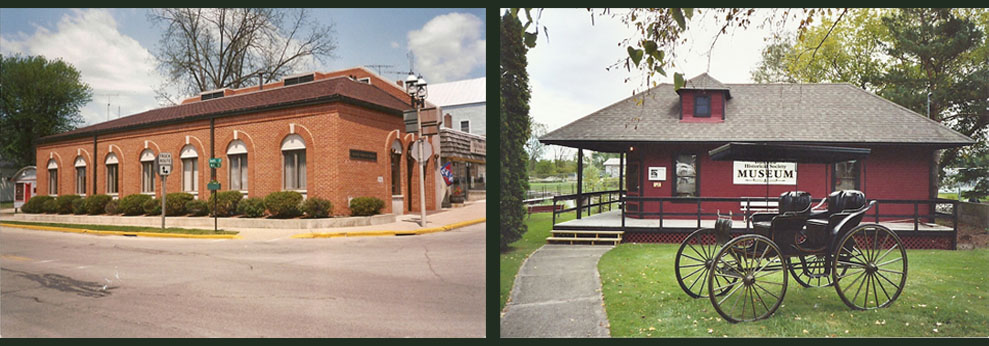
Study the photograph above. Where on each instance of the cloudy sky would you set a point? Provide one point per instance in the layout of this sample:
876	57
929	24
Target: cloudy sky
113	48
568	77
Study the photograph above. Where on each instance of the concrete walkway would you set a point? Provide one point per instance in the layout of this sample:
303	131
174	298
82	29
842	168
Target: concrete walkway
470	211
557	294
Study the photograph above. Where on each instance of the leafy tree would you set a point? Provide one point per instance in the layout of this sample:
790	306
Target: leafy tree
205	49
39	97
544	168
660	31
903	55
533	146
515	130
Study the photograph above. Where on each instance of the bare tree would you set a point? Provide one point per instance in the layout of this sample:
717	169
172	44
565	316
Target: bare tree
205	49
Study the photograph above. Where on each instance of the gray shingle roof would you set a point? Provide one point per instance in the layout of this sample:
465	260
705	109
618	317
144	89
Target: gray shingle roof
704	81
806	113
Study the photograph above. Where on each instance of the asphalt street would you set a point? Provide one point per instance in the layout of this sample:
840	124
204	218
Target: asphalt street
55	284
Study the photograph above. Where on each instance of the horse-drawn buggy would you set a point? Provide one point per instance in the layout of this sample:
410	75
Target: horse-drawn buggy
819	245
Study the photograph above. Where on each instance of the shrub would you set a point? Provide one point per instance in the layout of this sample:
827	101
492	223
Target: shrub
226	202
111	207
175	203
63	204
35	204
251	207
152	207
196	207
96	204
317	208
284	204
366	206
50	207
133	204
79	206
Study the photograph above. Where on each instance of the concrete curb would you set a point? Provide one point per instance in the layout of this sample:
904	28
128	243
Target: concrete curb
388	233
133	234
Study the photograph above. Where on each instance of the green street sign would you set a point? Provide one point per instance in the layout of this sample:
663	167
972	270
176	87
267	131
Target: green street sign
213	185
215	162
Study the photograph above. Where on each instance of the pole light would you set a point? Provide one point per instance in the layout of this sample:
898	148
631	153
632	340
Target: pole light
416	88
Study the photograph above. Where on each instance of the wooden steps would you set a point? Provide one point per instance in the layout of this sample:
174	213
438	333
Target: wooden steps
585	237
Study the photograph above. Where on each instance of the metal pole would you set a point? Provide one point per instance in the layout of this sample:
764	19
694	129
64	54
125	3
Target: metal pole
422	163
212	155
580	179
164	178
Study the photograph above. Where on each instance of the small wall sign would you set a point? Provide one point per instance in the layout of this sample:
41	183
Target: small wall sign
657	173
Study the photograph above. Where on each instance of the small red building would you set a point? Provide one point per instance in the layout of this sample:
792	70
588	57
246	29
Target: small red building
664	136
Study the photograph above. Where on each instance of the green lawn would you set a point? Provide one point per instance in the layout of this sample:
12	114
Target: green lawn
124	228
6	205
955	196
947	294
539	229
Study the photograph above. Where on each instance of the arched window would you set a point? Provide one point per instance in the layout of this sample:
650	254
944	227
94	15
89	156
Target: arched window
147	171
52	178
237	155
396	168
80	176
190	169
294	163
112	174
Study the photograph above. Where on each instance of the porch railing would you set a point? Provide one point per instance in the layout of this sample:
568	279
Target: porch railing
923	211
586	202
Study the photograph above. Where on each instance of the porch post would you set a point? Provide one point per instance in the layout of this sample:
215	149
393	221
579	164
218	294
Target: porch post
621	190
580	180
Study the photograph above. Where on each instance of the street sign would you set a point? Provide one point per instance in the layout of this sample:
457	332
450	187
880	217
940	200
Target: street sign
215	162
213	185
164	163
415	151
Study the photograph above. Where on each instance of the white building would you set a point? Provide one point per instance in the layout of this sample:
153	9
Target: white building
464	102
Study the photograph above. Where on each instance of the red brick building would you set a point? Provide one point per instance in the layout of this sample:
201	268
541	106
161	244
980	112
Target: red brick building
336	135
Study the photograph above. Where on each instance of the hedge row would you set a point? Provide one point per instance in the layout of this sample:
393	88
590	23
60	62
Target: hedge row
282	204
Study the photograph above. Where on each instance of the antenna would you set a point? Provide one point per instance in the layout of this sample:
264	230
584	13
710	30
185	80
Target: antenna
108	95
378	67
412	60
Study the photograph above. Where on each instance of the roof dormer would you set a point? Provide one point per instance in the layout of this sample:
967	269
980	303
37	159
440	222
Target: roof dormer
702	100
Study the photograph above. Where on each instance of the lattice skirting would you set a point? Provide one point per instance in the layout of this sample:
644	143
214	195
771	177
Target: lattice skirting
909	241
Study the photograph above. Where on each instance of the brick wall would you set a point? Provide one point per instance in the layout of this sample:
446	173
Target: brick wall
329	132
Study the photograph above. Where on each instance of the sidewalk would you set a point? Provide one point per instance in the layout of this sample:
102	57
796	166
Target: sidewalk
557	294
471	211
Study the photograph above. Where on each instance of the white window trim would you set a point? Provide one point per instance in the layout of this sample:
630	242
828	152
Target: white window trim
462	125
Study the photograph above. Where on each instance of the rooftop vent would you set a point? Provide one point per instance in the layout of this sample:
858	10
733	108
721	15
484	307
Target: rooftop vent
211	95
300	79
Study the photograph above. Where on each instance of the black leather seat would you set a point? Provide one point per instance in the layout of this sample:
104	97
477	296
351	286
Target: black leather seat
794	208
845	211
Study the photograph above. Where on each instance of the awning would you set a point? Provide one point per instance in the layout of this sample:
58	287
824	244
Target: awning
786	153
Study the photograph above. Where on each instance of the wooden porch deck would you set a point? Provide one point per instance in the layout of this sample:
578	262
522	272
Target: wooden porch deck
612	221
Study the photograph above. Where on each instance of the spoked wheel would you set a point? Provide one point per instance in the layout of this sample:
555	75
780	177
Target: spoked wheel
756	277
810	271
870	267
694	260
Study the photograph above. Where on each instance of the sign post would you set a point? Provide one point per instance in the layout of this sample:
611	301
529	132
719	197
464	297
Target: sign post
164	169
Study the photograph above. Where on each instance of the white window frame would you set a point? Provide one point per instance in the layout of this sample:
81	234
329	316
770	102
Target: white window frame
80	178
462	125
294	144
237	148
147	168
111	160
52	178
186	155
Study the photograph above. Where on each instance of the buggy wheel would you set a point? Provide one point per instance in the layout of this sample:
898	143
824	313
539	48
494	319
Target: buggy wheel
756	278
810	271
870	267
694	260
